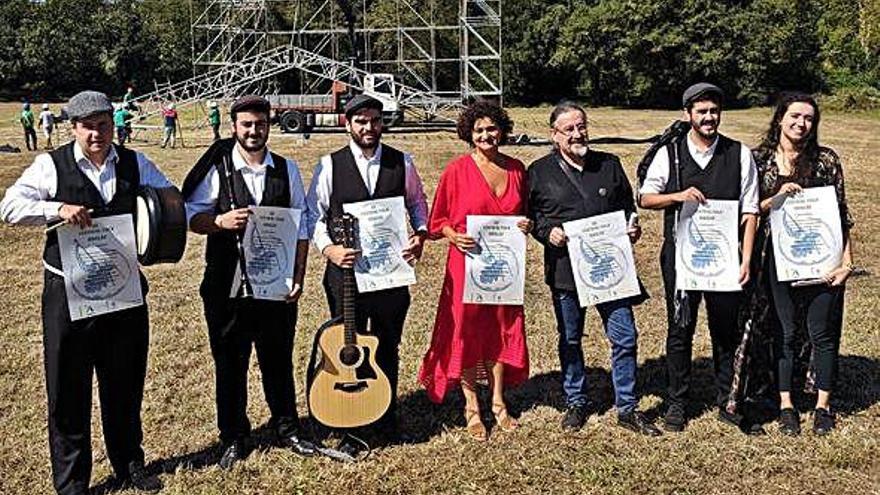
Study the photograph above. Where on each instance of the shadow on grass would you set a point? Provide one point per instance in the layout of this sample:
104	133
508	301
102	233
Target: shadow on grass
858	388
261	438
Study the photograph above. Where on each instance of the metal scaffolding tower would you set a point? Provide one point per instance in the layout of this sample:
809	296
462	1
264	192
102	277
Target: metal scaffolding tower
443	53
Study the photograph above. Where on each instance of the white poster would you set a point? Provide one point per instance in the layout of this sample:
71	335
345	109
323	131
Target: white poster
707	246
382	236
269	243
100	266
601	258
495	268
807	235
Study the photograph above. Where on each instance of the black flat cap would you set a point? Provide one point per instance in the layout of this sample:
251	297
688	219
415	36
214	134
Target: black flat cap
360	102
87	103
700	89
250	103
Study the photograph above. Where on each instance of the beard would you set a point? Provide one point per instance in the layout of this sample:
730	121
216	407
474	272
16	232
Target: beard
363	144
579	149
698	128
261	143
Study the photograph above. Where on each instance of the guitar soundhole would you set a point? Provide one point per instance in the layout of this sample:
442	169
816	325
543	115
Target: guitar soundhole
349	355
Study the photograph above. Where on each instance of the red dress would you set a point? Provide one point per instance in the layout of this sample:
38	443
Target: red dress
466	335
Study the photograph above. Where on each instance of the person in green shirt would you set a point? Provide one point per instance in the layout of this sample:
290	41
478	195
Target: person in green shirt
27	124
214	119
121	116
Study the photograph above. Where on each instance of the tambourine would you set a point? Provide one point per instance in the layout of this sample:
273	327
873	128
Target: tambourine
160	225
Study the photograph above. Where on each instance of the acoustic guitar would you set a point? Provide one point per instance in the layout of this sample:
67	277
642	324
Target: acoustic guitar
348	389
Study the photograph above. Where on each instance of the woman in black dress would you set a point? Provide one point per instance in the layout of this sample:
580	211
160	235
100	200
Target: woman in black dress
789	160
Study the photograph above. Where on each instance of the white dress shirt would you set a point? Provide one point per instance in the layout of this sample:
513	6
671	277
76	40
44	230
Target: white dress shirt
204	198
658	173
27	201
322	186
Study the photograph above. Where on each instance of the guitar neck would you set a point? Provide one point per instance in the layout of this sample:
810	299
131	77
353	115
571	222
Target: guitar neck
348	309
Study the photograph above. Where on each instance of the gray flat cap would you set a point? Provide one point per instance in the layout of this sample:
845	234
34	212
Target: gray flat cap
87	103
700	89
360	102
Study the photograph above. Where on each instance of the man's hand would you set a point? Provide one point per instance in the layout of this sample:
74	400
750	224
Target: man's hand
341	256
233	219
75	214
294	294
525	225
557	237
413	251
691	194
634	233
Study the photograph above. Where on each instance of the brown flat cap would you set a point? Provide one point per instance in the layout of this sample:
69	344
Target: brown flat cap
250	103
360	102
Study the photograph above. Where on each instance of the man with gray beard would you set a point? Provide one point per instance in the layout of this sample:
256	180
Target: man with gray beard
571	183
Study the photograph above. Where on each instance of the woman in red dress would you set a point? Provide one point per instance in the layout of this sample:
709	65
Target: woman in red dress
476	341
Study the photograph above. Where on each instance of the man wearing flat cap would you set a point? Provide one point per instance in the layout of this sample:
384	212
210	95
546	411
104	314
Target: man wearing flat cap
366	169
234	175
704	165
89	176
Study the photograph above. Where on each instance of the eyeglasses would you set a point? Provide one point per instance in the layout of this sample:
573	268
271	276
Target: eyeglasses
569	130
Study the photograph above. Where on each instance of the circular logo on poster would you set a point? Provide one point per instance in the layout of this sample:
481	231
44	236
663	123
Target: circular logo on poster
601	266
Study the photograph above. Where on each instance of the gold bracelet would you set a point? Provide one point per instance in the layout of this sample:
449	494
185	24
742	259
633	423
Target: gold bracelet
849	266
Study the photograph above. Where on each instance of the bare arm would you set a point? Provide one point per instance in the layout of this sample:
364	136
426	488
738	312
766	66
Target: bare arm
659	201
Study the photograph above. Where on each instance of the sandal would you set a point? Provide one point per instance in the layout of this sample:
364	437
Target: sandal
475	427
504	420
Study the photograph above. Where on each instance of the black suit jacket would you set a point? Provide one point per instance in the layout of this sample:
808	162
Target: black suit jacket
553	199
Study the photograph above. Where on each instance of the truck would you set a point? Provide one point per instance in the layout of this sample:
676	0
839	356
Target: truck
302	113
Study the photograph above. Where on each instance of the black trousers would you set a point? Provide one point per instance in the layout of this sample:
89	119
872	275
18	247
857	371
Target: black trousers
385	311
722	309
820	309
30	138
235	326
114	346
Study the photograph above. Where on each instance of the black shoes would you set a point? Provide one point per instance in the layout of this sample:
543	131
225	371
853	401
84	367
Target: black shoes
141	480
637	422
741	423
299	446
823	421
789	422
351	447
674	420
575	417
233	452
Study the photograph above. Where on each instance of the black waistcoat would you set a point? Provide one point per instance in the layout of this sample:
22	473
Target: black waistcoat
348	187
719	180
221	250
76	189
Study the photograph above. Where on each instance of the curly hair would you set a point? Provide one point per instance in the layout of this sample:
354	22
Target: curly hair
810	152
478	110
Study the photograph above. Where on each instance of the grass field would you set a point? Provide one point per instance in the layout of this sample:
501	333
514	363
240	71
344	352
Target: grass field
179	416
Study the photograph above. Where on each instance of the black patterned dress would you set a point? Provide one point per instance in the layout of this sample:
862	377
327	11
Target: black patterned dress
754	361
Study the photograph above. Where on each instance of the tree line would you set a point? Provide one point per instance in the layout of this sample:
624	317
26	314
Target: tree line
603	52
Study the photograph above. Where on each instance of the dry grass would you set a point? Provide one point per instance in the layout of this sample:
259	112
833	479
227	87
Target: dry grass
179	415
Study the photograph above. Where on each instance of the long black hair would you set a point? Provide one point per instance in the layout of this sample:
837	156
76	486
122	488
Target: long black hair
809	152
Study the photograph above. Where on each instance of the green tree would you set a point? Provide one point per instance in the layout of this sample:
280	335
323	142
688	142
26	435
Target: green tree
12	66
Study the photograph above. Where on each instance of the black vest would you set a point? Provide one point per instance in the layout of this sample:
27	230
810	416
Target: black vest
221	250
719	180
348	187
76	189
